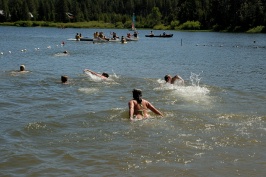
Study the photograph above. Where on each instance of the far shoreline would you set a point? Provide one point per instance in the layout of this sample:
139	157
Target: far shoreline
103	25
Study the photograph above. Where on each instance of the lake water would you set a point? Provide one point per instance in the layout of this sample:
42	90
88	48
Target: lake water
212	126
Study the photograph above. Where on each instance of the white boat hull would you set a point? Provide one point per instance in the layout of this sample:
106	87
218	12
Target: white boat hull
132	39
100	40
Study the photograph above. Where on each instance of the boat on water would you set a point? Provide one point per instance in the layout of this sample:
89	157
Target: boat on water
85	39
114	40
133	37
100	40
81	39
161	35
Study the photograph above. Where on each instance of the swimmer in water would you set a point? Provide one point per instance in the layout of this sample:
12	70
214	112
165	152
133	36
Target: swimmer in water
169	79
64	79
102	76
22	68
138	107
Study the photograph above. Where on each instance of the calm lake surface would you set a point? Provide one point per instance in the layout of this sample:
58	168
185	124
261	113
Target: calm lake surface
213	126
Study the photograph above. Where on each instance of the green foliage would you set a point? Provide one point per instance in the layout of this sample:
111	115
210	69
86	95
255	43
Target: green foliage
23	23
217	15
128	24
161	27
119	25
91	24
7	24
257	29
174	24
154	18
190	25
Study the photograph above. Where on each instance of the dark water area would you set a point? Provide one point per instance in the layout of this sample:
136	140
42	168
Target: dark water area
214	125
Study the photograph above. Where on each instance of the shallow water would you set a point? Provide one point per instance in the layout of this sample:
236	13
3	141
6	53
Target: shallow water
213	126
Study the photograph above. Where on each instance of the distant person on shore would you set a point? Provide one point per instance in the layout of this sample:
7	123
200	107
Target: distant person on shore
138	107
169	79
64	79
102	76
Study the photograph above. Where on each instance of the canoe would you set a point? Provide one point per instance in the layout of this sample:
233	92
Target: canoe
86	39
161	35
100	40
114	40
132	38
81	39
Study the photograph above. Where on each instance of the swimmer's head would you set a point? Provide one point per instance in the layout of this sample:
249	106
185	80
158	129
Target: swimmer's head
137	94
22	67
105	75
64	79
167	77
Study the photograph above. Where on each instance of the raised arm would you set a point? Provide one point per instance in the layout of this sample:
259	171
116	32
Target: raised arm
177	77
153	109
94	73
131	110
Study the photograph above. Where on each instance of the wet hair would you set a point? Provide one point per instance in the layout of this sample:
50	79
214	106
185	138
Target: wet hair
166	77
22	67
64	79
105	75
137	94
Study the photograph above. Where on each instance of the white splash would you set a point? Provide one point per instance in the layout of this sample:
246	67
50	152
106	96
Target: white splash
191	93
93	77
88	90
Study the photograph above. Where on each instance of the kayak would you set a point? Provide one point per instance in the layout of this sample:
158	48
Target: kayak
161	35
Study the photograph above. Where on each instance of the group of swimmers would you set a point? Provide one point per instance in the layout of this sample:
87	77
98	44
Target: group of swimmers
138	107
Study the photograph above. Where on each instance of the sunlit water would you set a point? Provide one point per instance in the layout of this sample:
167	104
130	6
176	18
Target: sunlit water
214	125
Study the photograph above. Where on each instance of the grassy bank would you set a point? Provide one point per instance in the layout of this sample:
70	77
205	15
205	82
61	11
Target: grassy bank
91	24
188	26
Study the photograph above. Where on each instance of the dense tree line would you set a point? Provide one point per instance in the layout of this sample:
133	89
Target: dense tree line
232	15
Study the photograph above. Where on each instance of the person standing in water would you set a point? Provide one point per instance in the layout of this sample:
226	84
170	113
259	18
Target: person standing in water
138	107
